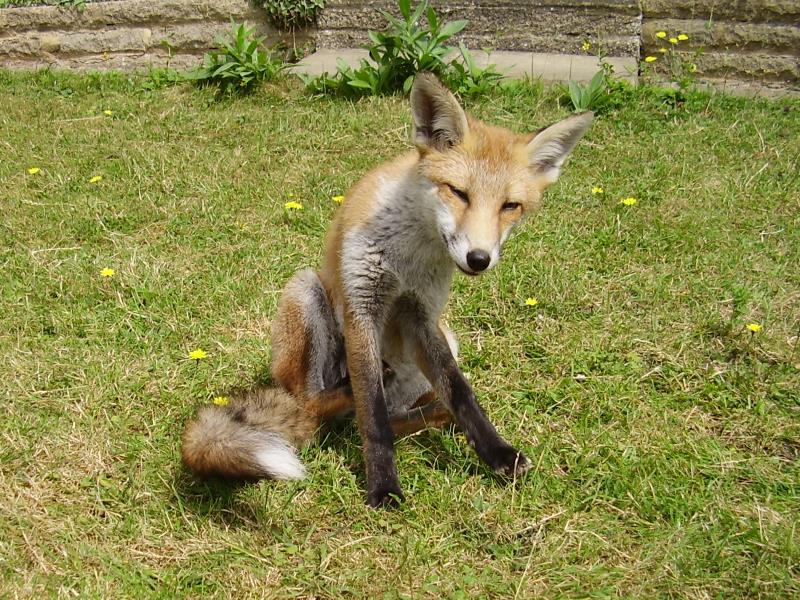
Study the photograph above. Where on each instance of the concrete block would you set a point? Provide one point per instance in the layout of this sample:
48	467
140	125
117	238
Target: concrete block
20	47
728	35
127	39
127	12
752	11
751	67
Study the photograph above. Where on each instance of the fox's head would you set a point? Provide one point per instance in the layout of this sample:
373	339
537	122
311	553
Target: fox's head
484	179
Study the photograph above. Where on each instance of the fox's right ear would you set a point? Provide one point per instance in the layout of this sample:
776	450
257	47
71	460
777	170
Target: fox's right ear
439	122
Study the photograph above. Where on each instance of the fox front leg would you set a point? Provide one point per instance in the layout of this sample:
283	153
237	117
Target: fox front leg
365	369
437	362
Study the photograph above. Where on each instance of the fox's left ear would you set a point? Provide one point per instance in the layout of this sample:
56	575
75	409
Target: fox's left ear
551	146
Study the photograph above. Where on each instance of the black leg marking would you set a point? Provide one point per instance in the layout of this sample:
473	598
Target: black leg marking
383	484
365	369
501	456
441	369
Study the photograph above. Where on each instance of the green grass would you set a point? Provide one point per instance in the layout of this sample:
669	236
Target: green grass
665	436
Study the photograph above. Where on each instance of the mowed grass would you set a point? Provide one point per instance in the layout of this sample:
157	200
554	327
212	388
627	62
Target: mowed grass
665	435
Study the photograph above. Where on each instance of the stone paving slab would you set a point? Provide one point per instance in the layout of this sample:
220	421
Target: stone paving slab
549	67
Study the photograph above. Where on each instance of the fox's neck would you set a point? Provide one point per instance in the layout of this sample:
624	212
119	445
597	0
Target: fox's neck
415	247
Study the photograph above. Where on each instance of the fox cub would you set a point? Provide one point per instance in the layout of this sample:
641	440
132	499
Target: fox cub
364	330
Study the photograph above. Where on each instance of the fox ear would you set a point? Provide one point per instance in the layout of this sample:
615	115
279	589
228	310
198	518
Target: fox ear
439	121
551	146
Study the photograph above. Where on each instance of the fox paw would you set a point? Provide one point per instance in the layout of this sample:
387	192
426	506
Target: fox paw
508	462
385	497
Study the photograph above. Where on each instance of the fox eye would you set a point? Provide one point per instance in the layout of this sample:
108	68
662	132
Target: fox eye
510	206
462	195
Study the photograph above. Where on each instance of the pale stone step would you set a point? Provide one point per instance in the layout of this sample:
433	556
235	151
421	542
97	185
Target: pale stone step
548	67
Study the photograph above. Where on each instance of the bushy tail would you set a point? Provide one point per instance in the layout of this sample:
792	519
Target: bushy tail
253	437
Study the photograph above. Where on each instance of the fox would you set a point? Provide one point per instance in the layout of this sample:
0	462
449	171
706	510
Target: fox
364	333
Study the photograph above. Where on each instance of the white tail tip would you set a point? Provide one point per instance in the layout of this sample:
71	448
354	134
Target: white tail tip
278	458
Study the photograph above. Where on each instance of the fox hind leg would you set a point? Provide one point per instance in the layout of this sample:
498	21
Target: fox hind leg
308	347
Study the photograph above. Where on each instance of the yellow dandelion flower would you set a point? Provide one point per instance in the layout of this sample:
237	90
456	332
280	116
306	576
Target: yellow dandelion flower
661	34
692	68
96	179
754	327
221	400
662	50
531	301
650	58
198	354
586	46
33	170
292	205
629	201
338	199
683	37
108	113
673	40
597	190
107	272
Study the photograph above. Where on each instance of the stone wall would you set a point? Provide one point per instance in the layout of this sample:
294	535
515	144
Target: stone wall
546	26
745	41
123	34
742	40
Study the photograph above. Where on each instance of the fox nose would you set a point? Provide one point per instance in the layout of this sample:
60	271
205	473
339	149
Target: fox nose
478	260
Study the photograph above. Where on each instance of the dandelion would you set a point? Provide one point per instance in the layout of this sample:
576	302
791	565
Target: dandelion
629	201
107	272
754	327
662	50
221	400
661	34
96	179
292	205
683	37
108	113
650	58
692	68
673	40
33	170
586	46
531	301
597	190
338	199
198	354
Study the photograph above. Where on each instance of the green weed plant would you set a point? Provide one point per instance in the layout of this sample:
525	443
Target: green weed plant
293	14
240	62
417	41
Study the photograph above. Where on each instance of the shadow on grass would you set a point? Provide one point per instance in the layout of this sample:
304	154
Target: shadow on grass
214	499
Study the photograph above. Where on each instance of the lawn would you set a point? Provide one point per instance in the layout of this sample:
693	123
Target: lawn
665	435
